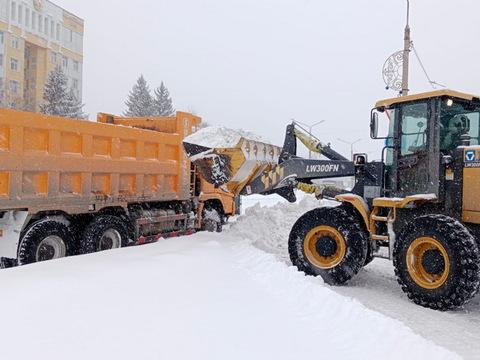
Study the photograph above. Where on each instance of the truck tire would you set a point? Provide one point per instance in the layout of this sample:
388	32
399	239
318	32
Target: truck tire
45	240
212	220
329	242
436	262
105	232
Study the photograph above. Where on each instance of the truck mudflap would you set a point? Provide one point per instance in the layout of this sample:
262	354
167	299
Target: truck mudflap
11	226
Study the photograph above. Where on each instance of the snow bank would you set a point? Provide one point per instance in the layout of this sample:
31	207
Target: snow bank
268	227
220	137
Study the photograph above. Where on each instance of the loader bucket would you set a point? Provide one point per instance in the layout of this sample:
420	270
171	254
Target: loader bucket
235	166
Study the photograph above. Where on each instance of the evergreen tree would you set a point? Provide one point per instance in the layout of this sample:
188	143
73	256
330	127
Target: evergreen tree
59	100
163	101
140	101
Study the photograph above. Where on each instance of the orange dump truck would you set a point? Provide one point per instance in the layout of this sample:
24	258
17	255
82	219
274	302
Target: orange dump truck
74	187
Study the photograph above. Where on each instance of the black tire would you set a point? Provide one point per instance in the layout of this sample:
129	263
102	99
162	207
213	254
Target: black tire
355	239
7	263
430	281
105	232
370	254
45	240
212	220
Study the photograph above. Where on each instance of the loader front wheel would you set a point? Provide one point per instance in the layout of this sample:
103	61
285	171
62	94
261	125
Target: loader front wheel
436	262
329	242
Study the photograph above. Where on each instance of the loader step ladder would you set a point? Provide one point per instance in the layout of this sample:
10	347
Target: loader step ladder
392	204
375	220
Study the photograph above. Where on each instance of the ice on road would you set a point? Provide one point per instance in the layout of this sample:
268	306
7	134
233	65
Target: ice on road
208	296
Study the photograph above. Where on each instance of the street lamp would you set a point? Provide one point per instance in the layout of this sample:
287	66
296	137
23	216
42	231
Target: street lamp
351	144
310	128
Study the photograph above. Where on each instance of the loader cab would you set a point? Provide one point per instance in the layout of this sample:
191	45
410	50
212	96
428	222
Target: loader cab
424	131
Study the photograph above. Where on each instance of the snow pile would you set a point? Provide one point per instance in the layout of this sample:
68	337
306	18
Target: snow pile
220	137
268	227
205	297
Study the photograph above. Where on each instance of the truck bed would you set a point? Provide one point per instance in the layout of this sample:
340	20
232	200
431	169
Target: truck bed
53	163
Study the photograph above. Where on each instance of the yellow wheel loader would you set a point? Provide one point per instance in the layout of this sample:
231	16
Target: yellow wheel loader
419	206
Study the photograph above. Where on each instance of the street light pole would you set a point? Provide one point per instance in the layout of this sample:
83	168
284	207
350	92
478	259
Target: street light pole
310	129
406	53
351	145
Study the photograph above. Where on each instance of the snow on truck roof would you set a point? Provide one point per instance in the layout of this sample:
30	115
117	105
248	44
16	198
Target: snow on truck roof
425	95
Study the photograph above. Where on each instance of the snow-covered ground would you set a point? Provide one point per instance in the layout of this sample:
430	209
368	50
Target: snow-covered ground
219	296
267	228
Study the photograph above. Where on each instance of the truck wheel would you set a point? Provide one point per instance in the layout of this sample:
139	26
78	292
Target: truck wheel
328	242
45	240
436	262
105	232
212	220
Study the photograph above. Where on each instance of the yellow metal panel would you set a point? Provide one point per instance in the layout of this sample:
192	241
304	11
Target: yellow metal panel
35	183
71	183
4	138
43	162
101	184
4	184
128	184
35	140
102	146
150	151
426	95
128	149
471	195
472	217
71	143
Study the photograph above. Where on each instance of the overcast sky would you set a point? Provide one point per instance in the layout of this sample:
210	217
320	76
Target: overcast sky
255	64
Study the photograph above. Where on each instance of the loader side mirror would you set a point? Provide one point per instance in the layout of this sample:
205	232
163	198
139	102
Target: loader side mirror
374	125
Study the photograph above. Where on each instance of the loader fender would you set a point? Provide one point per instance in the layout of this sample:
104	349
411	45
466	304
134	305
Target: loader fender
359	204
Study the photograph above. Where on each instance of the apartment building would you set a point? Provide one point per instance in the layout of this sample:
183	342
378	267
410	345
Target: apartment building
35	37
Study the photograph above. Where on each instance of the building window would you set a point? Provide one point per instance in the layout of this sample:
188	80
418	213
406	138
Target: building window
75	84
2	37
45	28
20	14
14	11
15	42
76	65
1	60
40	23
27	17
34	20
14	64
14	86
53	57
52	29
58	32
65	62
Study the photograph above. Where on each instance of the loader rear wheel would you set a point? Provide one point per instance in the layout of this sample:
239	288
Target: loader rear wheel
45	240
329	242
105	232
436	262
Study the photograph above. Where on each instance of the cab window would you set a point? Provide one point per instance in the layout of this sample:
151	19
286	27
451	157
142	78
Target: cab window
414	120
457	120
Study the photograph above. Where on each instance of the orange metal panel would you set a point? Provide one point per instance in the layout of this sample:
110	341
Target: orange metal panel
49	162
